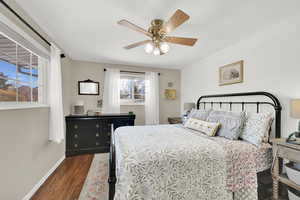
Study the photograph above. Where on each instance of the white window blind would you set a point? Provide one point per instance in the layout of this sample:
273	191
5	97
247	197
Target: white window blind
132	89
22	69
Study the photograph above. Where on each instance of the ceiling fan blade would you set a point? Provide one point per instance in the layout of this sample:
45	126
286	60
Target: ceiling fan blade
178	18
134	27
137	44
181	40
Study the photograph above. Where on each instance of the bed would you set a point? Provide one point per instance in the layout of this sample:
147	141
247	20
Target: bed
173	162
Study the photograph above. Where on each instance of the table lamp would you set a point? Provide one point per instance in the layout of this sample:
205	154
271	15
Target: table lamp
295	111
188	107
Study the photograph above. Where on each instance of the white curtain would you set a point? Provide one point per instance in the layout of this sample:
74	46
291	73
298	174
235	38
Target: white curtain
54	95
43	65
151	98
111	94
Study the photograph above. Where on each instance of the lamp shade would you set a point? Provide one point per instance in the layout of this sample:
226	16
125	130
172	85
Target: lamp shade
295	108
188	106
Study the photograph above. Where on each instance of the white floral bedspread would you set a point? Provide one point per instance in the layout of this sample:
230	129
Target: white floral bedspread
169	162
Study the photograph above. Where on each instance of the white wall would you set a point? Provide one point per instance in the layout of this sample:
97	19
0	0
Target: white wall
271	63
26	154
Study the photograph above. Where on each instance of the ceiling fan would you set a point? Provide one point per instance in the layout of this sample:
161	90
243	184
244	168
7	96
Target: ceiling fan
158	33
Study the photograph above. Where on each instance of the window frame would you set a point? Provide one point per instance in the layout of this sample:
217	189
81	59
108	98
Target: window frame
40	82
131	102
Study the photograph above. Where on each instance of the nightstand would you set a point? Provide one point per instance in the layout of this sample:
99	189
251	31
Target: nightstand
283	150
174	120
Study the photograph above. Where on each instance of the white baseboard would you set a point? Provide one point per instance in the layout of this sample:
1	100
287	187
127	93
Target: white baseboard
40	183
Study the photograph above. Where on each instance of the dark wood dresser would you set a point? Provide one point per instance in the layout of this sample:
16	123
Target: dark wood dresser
91	134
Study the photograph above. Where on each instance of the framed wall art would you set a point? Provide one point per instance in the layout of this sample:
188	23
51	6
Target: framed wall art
231	73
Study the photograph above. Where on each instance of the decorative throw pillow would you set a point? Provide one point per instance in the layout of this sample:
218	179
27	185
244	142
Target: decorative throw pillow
231	123
199	114
208	128
257	126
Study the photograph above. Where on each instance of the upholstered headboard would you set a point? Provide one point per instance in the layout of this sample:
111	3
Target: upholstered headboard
239	100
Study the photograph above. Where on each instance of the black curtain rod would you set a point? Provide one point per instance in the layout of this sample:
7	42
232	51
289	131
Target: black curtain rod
134	72
27	24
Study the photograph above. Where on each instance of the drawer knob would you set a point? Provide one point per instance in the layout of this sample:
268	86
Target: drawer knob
97	143
97	126
76	126
75	136
75	145
97	134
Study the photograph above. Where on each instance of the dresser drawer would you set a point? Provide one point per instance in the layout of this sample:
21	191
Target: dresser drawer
77	126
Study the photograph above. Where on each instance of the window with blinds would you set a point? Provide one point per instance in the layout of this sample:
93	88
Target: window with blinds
132	89
20	73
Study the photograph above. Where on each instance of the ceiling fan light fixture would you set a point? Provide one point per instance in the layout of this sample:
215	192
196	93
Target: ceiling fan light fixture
158	44
164	47
149	47
156	51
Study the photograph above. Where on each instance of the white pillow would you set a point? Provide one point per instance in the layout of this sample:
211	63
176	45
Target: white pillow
257	126
199	114
208	128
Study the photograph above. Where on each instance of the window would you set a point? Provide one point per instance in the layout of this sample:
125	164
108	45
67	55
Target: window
19	73
132	89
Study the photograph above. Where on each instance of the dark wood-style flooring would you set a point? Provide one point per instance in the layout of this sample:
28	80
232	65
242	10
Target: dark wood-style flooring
67	180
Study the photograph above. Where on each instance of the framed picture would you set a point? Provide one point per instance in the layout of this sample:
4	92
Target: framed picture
231	73
170	94
88	87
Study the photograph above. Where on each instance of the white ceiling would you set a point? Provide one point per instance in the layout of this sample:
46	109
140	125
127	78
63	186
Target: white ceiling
88	30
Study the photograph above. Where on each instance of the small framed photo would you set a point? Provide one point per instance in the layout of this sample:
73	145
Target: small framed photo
231	73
